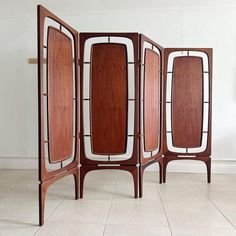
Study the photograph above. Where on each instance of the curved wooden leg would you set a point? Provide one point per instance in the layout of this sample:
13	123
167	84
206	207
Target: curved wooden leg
76	179
160	162
82	176
141	171
136	182
208	165
165	163
42	195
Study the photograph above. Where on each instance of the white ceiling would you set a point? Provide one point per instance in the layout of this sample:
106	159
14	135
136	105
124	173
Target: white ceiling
11	8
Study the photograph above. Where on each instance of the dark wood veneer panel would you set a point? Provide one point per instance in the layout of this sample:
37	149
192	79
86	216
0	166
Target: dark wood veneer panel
151	103
60	96
109	94
187	101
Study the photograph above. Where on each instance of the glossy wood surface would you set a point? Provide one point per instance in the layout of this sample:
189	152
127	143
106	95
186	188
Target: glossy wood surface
208	52
196	72
109	94
187	101
134	38
151	100
150	80
47	176
60	96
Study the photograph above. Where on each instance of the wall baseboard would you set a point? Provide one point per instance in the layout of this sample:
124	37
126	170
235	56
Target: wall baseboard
190	166
218	166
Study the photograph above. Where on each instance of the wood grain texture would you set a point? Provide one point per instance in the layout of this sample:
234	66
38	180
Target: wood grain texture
60	96
48	177
109	94
151	100
187	101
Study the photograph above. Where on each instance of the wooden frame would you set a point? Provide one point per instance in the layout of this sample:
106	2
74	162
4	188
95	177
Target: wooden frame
48	177
154	48
131	164
204	155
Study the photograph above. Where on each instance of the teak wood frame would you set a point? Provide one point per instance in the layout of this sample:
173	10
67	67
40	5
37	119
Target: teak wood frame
157	158
131	164
204	155
137	163
48	177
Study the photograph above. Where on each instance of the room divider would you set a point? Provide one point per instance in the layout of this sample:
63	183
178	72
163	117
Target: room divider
187	110
134	104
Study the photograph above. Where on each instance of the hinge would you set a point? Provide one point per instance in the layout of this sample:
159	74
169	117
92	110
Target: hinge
139	135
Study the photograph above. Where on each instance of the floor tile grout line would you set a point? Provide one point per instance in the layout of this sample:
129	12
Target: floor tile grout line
109	209
39	227
195	183
164	210
49	216
214	205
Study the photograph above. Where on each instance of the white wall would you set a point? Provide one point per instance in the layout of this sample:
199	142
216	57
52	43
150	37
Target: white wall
170	23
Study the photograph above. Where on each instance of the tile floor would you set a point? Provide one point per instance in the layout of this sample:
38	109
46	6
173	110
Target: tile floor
186	205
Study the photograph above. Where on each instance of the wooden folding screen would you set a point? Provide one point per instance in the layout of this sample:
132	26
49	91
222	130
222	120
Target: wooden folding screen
187	110
57	102
139	104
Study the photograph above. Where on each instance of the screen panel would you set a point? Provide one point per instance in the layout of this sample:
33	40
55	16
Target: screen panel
109	93
60	96
151	100
109	83
187	126
57	91
187	101
151	97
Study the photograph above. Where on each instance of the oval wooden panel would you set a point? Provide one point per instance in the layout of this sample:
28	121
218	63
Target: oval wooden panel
60	96
109	94
187	101
151	103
